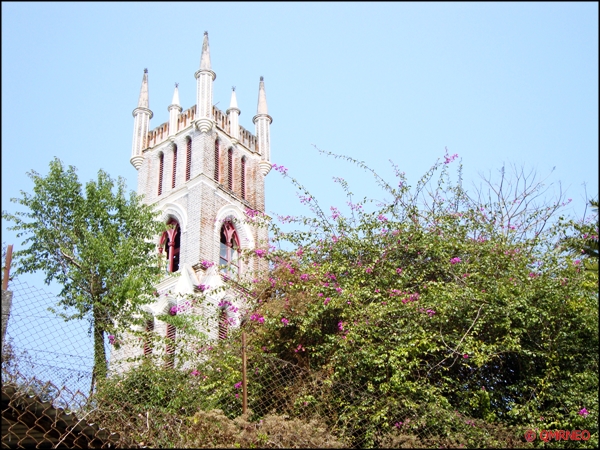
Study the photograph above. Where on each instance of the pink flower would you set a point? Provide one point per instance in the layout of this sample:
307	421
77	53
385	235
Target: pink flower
455	260
238	385
195	373
260	253
284	321
583	412
368	270
382	218
304	277
398	424
465	356
111	339
326	301
340	326
398	270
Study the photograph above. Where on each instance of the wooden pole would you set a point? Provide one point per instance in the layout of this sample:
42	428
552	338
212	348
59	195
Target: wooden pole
7	267
244	379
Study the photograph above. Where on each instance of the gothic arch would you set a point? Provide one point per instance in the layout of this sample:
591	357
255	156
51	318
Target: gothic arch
235	214
177	212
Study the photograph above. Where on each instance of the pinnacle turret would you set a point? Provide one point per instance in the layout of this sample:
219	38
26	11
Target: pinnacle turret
262	98
141	124
174	111
205	58
262	122
234	113
204	90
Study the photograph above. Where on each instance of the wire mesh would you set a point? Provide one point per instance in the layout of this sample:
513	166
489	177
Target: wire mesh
46	374
39	343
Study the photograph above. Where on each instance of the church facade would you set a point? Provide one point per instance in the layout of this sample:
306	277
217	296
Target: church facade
205	174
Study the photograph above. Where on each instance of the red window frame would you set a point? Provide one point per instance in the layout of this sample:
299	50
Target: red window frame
174	179
223	324
170	242
216	175
148	340
243	177
161	164
188	160
230	169
170	347
229	254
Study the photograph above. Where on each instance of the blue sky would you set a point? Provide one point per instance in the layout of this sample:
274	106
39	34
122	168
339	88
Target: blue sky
494	82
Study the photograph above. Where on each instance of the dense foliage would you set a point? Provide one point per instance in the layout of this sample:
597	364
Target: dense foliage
95	242
435	299
428	318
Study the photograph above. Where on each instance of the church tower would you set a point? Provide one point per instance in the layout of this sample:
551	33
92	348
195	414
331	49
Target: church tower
205	173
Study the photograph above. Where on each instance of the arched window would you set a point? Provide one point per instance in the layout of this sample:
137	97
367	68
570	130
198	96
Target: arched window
174	167
216	160
161	164
229	249
230	169
243	177
170	242
148	338
188	160
170	349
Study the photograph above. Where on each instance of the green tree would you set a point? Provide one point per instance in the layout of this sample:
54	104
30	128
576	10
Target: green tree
434	300
94	241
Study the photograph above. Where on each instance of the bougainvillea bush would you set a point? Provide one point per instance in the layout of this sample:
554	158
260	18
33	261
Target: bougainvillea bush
434	298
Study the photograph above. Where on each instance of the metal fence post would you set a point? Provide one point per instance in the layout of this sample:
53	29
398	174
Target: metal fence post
7	267
244	379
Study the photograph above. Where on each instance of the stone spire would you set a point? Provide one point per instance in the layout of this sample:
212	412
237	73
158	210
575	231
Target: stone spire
141	124
263	121
234	114
143	101
205	58
204	90
174	111
262	98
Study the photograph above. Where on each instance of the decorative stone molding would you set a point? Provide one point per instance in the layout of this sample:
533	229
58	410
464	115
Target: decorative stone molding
137	161
204	125
264	167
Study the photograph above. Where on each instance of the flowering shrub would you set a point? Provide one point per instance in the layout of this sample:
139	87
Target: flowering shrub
388	309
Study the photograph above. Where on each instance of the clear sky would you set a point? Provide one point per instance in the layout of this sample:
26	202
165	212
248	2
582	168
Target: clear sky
494	82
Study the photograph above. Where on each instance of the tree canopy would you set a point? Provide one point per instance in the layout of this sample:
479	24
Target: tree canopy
95	241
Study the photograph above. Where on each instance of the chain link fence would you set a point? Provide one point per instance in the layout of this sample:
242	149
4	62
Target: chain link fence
46	402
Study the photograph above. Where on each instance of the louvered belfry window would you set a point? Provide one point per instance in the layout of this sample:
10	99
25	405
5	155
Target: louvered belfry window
216	160
230	169
174	167
170	350
243	177
223	324
161	163
188	160
148	339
